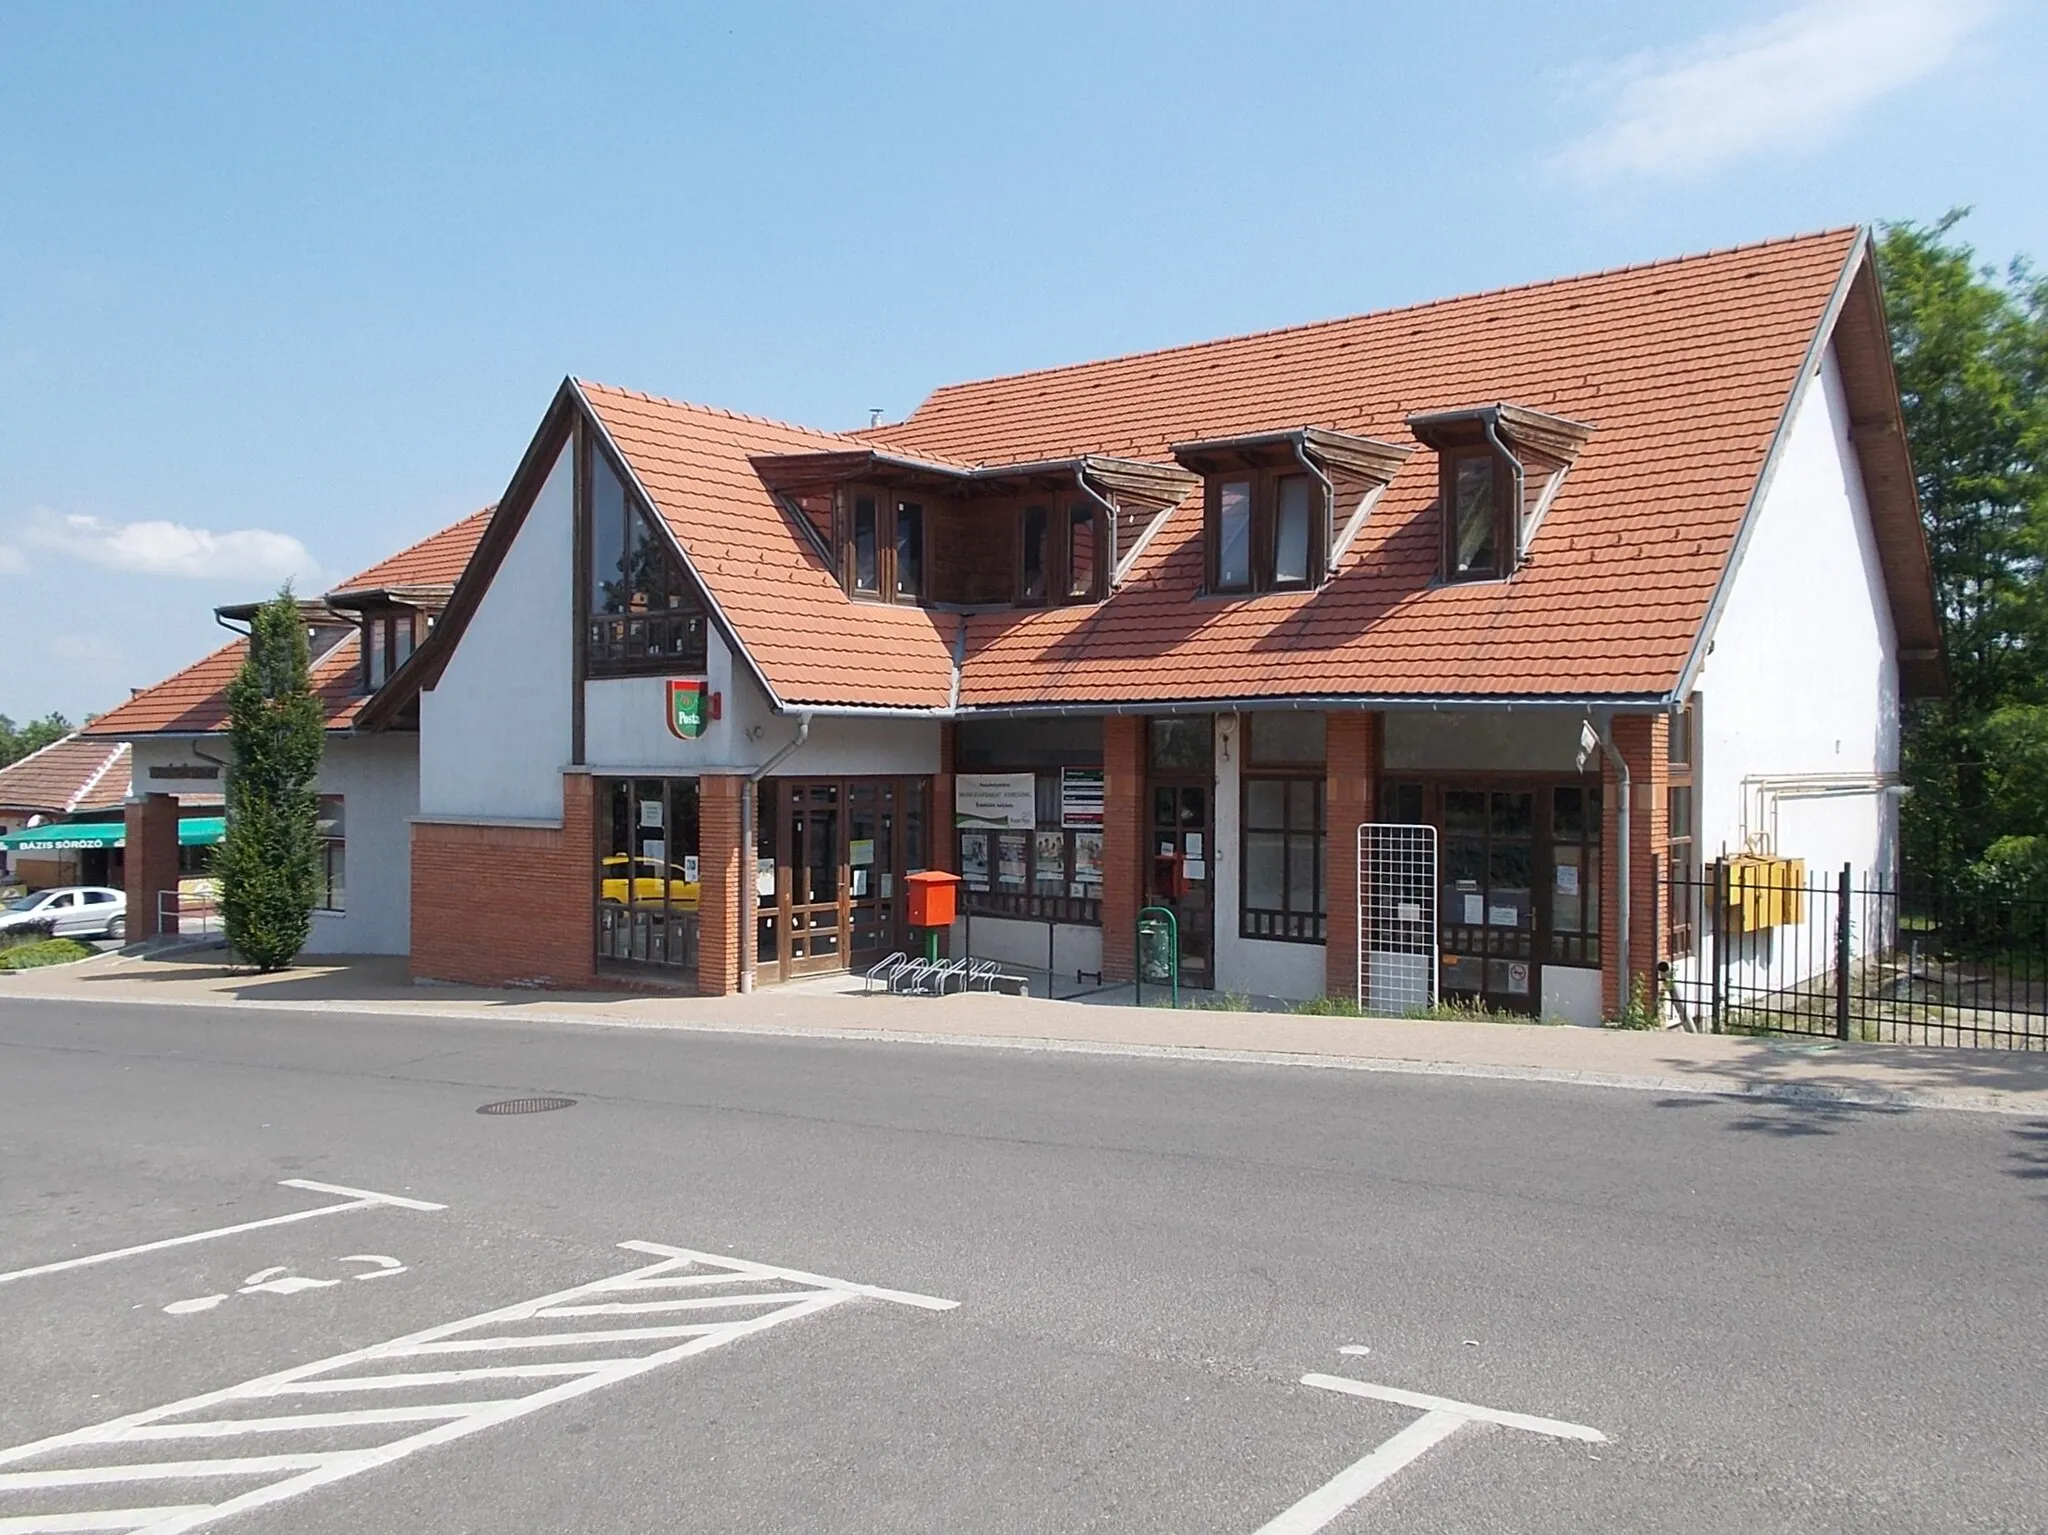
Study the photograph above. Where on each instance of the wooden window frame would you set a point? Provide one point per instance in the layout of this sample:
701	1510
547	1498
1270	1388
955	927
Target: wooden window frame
1265	529
1270	924
889	505
1681	776
1506	516
1061	514
380	630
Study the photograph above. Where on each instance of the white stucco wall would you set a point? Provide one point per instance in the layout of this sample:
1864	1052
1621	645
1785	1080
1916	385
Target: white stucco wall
1258	967
378	779
1802	680
1076	949
625	730
495	731
1802	676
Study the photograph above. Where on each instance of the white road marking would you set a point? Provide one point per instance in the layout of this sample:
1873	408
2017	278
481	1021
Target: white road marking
359	1199
98	1519
795	1276
1441	1418
196	1303
400	1200
281	1281
210	1417
1400	1398
386	1267
1361	1477
692	1303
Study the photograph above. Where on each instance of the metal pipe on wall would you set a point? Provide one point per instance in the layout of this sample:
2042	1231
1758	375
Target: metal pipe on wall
748	842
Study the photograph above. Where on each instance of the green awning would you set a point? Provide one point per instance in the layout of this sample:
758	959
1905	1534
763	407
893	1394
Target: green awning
193	831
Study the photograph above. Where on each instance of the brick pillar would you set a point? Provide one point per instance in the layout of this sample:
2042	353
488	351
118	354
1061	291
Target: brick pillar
1123	842
719	946
1642	740
945	847
1351	792
150	865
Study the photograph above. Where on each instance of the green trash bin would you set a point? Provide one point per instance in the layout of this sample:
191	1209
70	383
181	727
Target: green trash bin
1158	951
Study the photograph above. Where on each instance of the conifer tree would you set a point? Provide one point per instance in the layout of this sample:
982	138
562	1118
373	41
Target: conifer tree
268	865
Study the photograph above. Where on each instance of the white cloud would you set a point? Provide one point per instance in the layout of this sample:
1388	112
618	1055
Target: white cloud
163	548
12	561
1781	85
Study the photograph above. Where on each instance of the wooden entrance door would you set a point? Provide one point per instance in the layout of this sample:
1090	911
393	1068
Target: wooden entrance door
839	852
1180	836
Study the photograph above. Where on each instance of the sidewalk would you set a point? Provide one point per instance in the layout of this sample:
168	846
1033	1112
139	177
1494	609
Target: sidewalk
1818	1071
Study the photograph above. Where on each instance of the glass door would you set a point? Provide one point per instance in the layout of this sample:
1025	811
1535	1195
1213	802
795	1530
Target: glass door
1180	836
816	912
1487	916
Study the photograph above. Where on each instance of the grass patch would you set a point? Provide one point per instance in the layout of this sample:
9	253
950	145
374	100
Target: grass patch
49	951
1330	1007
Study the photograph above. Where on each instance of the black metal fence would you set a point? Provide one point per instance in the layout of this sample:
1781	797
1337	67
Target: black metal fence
1755	950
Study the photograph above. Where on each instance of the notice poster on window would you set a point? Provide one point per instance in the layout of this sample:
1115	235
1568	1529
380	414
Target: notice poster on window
1080	799
1475	910
1011	848
764	879
1052	857
650	812
1503	916
1088	858
974	860
860	852
655	848
690	867
1567	879
999	800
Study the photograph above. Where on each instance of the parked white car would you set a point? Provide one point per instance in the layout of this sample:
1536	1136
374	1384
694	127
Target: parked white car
73	911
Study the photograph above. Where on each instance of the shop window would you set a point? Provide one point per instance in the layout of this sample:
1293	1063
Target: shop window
644	611
332	880
647	875
1267	531
1049	870
1283	844
1286	740
1181	743
1575	874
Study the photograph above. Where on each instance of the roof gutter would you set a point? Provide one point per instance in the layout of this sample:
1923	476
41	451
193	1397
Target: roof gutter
1398	704
748	841
1299	442
1108	527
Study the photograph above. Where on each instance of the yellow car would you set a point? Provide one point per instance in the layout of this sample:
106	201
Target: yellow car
647	883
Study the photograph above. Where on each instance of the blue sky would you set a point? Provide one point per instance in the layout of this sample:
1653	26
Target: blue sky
284	288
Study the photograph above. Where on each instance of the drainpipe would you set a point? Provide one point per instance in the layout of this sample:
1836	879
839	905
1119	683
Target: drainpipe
1487	424
1604	732
1320	557
748	843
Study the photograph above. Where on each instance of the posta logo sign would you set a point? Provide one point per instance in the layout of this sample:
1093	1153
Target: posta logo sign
687	707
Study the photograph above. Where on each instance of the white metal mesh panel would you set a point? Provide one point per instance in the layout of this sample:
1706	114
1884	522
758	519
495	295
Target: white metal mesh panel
1397	964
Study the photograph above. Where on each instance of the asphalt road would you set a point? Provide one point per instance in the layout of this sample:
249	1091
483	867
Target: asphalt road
1780	1318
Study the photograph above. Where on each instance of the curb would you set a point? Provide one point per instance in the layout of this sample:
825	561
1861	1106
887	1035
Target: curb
1812	1095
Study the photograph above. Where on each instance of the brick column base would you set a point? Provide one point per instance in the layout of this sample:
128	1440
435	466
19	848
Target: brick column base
1351	755
719	946
150	866
1642	741
1123	843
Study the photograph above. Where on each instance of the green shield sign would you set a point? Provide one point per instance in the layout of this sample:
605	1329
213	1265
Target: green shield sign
687	708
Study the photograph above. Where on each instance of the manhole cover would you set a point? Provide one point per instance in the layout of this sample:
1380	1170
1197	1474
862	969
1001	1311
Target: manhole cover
527	1105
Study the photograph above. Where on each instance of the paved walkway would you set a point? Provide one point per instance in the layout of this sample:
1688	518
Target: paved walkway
1814	1070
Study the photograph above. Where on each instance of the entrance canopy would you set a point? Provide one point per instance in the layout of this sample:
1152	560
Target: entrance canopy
193	831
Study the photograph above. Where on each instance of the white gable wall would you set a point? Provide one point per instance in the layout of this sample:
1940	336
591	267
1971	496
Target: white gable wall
495	732
1802	676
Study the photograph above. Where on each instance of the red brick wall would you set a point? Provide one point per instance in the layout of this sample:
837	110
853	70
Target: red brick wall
1351	797
1642	740
508	905
1123	842
719	945
151	864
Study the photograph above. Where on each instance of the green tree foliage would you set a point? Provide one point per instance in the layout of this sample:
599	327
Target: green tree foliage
1971	347
17	741
268	865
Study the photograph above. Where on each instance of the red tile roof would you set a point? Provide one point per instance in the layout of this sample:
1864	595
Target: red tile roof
1684	368
194	701
812	644
67	776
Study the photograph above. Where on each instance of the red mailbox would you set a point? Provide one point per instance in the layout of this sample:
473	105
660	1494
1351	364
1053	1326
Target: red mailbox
933	897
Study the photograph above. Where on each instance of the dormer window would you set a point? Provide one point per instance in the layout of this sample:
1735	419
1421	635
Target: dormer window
1269	523
389	635
1058	556
885	546
1498	469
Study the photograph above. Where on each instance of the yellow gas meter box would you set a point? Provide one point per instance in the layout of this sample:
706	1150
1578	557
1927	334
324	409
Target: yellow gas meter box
1765	892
